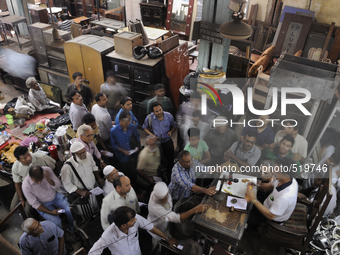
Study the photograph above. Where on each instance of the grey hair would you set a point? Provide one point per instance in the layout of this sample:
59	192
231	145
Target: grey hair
149	137
29	81
26	224
83	128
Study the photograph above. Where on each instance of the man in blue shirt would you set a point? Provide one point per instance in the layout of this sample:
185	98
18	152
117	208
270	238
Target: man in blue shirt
126	104
161	124
183	178
41	238
124	138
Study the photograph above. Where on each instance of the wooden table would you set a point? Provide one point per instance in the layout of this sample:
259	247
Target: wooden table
13	20
230	230
81	20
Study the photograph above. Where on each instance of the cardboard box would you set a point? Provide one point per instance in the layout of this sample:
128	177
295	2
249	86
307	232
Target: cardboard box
125	41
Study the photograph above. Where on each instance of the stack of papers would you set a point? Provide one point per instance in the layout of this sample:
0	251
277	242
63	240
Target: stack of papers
240	204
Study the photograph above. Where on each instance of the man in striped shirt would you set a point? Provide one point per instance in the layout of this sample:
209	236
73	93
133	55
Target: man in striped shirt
183	178
66	23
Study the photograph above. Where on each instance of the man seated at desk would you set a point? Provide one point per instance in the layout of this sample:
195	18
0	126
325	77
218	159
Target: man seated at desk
245	152
280	203
160	210
183	178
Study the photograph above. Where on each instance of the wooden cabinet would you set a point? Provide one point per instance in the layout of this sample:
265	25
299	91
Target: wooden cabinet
81	7
86	54
153	13
38	14
47	55
138	77
36	32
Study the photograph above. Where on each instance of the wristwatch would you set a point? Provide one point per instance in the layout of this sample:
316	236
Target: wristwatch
167	238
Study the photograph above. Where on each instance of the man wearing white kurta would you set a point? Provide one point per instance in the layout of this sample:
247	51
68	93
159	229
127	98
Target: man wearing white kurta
121	237
110	174
122	195
160	209
84	164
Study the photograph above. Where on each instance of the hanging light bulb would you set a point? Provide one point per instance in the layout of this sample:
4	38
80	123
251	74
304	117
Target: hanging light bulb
56	41
12	32
236	29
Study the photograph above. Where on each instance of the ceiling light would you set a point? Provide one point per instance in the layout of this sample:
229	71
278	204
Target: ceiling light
236	29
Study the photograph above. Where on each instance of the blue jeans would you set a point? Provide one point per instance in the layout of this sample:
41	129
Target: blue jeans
59	201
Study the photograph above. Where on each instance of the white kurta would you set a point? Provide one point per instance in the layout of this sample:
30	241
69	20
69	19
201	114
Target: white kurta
161	215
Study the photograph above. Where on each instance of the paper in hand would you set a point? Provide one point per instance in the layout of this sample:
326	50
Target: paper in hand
96	191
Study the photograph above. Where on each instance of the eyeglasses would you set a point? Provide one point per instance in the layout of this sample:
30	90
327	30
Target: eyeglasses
88	136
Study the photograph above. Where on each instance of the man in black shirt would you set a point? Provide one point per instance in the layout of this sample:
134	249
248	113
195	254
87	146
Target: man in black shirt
82	89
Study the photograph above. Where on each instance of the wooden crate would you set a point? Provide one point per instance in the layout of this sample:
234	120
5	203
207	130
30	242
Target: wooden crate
125	41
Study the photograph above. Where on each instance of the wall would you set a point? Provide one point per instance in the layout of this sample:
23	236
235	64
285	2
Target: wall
3	4
326	11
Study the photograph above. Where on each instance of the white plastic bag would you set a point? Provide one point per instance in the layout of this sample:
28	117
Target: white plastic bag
23	107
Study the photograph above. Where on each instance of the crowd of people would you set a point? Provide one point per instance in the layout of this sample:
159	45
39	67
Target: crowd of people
148	173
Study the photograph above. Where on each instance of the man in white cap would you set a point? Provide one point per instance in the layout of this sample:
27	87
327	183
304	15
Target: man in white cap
160	210
38	99
110	174
122	195
83	164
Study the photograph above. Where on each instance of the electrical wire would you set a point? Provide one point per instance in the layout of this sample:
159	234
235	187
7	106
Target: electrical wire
150	222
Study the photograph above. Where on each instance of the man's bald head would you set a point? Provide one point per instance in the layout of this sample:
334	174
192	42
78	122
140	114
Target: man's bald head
36	173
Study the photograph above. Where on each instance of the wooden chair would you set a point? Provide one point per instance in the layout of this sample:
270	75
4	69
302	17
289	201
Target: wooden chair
297	232
81	251
76	30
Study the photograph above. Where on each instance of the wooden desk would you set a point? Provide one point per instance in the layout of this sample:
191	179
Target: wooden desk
108	23
81	20
230	230
13	20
